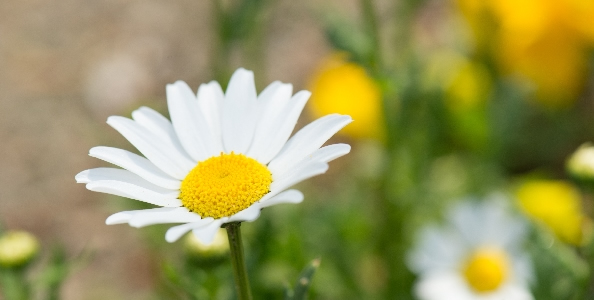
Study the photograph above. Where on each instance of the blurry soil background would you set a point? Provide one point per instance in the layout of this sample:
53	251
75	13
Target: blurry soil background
65	66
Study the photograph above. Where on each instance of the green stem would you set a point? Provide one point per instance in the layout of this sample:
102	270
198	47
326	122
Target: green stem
242	284
371	27
13	285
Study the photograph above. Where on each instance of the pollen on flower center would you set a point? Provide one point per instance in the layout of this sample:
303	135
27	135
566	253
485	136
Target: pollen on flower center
224	185
486	269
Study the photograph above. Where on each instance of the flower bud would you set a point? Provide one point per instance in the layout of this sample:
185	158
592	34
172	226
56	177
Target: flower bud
581	162
17	248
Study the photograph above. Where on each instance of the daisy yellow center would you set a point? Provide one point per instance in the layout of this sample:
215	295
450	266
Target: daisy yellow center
224	185
486	270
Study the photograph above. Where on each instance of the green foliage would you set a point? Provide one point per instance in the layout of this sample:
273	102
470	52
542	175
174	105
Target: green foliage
301	287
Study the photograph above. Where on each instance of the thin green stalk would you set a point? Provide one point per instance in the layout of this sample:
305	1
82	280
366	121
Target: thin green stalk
371	27
242	285
13	285
223	40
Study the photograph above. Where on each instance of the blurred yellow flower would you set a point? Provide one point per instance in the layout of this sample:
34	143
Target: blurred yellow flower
17	248
339	86
557	204
469	87
546	42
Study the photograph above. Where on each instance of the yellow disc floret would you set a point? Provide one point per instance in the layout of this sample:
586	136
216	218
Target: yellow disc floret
224	185
486	269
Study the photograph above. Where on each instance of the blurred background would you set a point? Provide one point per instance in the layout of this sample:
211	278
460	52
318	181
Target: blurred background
451	99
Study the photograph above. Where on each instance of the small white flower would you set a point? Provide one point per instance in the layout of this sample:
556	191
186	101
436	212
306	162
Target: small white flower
476	256
221	159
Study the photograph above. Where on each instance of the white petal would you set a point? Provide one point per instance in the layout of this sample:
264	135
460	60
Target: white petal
249	214
189	123
272	100
210	98
436	249
126	184
206	234
308	140
99	174
239	111
168	215
290	196
324	154
155	123
277	124
175	232
514	292
119	218
443	285
127	190
304	172
135	164
126	216
164	155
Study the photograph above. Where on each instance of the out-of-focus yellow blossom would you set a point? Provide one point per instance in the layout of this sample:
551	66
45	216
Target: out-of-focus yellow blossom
581	162
17	248
344	87
544	41
557	204
469	87
207	255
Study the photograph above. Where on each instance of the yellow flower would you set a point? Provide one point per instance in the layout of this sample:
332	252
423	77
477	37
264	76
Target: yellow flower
17	248
344	87
545	42
469	87
557	204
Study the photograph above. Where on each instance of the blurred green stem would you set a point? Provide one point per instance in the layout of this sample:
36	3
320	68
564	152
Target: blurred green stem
372	29
223	40
242	285
238	26
13	285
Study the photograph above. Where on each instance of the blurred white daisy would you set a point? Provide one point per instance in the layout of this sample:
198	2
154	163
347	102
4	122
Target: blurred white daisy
221	159
476	255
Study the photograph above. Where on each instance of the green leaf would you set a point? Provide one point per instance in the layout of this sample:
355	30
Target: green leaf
304	280
345	36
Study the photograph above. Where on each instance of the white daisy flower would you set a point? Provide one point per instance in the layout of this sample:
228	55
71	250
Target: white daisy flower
221	159
476	256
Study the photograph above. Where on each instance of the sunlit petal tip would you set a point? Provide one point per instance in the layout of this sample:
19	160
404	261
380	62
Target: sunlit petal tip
114	119
303	94
174	233
243	72
82	177
118	218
